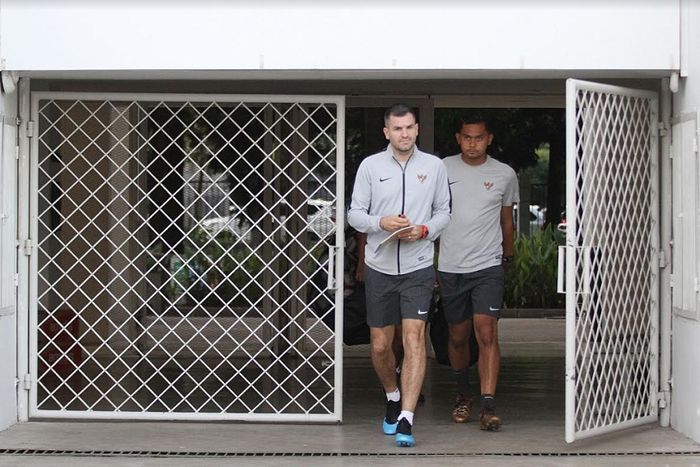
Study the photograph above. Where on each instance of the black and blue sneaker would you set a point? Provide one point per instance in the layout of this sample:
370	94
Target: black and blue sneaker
404	438
391	419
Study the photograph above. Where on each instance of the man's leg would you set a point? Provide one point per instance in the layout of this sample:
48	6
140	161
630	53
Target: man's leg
384	363
383	316
413	368
397	345
415	296
458	345
383	358
486	329
458	350
412	374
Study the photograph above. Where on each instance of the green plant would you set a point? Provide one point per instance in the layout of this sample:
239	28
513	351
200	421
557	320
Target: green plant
532	280
216	270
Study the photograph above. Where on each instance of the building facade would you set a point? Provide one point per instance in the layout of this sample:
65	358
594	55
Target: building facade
100	103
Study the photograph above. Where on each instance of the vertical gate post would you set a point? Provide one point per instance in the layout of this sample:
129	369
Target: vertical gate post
666	221
23	221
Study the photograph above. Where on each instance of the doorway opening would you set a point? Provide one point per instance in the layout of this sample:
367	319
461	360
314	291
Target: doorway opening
430	111
531	140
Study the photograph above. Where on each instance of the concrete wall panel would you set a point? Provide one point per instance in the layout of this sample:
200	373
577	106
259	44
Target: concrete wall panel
8	203
362	35
685	410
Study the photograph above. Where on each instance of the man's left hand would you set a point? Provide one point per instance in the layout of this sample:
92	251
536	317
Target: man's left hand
412	235
508	262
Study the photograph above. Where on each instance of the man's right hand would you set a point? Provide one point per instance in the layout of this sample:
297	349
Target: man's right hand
393	223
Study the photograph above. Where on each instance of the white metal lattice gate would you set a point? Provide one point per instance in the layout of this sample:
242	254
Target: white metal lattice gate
612	260
182	256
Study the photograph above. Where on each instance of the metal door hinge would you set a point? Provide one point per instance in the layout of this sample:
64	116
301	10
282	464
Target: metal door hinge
663	129
663	399
30	129
662	259
27	382
27	246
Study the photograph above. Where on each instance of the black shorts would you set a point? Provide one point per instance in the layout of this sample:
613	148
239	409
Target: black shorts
478	292
391	299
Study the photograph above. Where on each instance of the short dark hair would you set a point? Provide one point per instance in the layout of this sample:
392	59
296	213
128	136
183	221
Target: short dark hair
474	119
398	110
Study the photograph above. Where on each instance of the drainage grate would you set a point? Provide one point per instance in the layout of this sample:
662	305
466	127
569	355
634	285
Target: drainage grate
209	454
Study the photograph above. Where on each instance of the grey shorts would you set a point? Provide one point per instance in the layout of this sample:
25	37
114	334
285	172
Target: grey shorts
479	292
391	299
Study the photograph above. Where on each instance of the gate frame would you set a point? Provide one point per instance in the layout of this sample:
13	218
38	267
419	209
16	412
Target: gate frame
572	85
28	259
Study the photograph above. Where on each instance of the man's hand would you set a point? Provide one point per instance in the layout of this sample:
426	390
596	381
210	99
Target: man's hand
392	223
412	235
508	262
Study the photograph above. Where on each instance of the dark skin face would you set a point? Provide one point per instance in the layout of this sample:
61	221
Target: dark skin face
473	140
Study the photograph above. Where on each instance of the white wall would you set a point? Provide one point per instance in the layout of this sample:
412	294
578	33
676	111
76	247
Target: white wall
348	35
8	334
685	411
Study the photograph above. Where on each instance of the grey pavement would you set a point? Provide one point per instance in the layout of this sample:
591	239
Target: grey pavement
530	400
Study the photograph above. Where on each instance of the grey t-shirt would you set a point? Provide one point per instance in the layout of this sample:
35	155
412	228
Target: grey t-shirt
473	239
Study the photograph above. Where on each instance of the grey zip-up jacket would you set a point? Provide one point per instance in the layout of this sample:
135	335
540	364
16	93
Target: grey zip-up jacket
420	191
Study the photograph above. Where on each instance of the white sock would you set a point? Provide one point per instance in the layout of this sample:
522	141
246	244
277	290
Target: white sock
407	415
394	396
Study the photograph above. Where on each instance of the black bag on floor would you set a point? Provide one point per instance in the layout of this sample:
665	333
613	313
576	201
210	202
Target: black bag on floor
355	329
440	334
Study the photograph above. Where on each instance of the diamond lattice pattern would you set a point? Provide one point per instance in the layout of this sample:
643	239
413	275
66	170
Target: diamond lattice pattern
182	253
614	260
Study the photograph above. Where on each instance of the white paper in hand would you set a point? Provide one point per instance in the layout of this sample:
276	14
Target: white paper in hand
394	235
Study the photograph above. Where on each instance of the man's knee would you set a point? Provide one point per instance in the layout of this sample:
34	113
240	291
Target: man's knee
413	337
486	332
381	342
459	335
381	346
487	341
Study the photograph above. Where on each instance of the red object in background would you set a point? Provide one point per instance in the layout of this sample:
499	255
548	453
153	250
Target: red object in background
58	343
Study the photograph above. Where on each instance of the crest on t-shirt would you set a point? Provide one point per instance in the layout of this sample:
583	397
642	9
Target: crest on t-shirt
421	178
488	185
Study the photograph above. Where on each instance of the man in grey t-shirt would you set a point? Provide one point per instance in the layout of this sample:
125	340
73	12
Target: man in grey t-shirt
473	249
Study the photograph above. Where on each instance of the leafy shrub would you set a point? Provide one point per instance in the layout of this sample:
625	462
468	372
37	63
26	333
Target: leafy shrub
532	281
217	269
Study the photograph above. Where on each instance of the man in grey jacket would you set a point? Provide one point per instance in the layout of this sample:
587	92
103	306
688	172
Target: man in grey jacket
401	199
